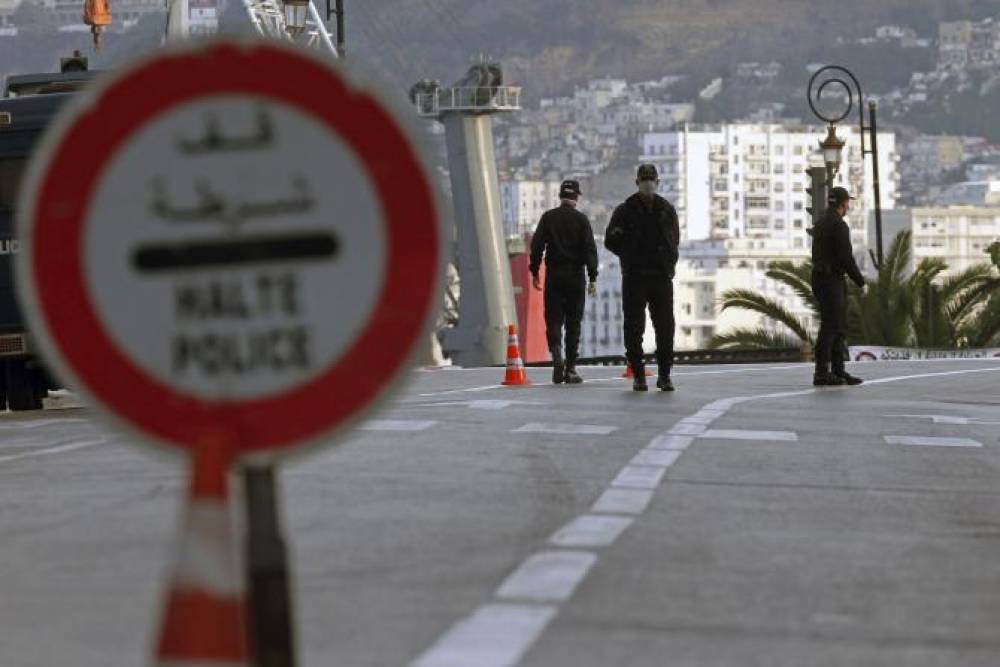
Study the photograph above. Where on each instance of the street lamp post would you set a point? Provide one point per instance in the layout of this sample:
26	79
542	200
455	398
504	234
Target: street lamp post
833	145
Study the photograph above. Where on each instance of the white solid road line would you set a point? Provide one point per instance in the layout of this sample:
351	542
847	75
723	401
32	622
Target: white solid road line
623	501
590	530
549	576
57	449
566	429
926	441
496	634
396	425
735	434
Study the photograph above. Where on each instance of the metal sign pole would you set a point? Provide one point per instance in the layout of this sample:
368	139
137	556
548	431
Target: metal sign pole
269	613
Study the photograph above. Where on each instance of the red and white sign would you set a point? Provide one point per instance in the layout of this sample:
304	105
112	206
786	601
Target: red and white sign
235	246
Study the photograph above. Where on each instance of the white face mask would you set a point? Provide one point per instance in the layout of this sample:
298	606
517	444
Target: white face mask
647	187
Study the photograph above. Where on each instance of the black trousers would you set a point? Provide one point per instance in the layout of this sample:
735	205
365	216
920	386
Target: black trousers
565	296
656	292
831	343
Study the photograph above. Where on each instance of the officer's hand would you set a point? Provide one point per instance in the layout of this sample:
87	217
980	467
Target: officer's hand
592	289
536	283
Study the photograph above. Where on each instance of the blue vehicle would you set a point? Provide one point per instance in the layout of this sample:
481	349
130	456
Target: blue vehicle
29	103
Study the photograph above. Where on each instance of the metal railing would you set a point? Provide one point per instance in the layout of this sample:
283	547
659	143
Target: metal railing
692	357
483	99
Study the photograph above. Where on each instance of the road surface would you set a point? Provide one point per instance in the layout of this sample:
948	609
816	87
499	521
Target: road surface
746	520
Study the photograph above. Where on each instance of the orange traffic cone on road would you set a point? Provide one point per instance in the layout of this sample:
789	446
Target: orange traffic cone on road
629	373
515	374
203	623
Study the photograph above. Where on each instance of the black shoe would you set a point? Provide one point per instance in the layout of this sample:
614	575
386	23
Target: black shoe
827	380
639	382
558	373
664	383
848	378
571	376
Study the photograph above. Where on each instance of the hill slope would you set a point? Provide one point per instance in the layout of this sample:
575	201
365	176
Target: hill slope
551	45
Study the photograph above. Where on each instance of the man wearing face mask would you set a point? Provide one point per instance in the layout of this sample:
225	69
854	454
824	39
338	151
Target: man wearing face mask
833	257
566	239
644	233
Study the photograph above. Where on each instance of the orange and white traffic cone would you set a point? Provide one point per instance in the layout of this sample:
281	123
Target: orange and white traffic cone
515	375
629	373
203	623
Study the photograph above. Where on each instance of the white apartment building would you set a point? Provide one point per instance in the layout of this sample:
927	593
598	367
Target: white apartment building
749	180
602	334
523	202
708	269
958	235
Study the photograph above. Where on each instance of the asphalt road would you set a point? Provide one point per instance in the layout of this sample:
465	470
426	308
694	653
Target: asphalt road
745	520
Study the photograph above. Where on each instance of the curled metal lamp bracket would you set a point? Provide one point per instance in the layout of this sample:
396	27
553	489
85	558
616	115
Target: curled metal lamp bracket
834	76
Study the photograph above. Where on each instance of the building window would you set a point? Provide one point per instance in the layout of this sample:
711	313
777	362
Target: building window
797	150
798	206
779	187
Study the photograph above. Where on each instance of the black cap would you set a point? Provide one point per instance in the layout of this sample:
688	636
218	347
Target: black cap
647	172
569	190
838	195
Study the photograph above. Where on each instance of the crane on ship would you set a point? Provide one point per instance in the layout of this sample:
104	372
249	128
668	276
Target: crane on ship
296	21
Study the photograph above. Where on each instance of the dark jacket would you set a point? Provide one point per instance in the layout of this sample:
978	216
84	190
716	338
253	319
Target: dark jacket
565	236
644	238
832	254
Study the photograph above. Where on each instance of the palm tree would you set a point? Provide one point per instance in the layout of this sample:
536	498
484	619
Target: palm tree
794	332
880	315
982	328
922	308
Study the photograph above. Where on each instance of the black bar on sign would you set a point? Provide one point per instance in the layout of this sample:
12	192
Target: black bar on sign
231	252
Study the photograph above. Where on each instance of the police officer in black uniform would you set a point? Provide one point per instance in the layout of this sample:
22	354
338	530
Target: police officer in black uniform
832	258
566	239
644	233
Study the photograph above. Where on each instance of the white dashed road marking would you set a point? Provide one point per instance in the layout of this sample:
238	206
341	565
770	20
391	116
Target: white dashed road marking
58	449
623	501
655	457
924	441
687	428
495	635
948	419
566	429
639	477
730	434
676	442
549	576
500	634
590	530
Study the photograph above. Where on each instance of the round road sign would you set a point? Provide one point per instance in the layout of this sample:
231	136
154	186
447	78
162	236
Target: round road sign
234	246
